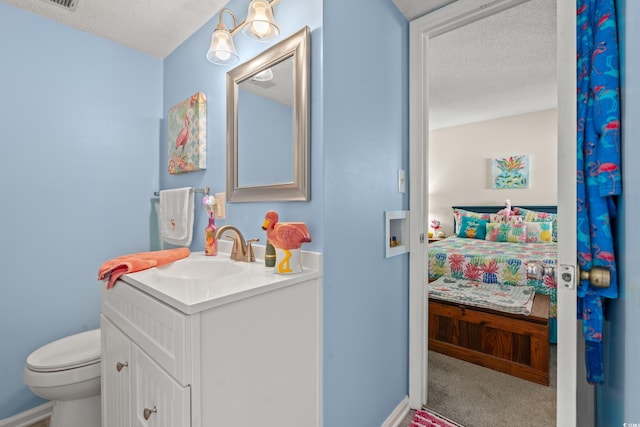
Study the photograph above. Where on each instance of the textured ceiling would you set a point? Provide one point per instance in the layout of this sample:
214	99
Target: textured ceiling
155	27
502	65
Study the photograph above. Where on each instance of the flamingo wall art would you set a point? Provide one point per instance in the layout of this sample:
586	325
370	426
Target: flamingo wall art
187	135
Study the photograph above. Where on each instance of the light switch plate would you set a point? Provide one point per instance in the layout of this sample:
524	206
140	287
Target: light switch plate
221	209
402	181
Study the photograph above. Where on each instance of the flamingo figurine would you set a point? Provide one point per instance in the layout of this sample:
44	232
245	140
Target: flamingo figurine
183	136
506	212
286	236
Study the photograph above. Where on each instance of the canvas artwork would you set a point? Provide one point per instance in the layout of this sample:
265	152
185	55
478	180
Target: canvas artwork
510	172
187	135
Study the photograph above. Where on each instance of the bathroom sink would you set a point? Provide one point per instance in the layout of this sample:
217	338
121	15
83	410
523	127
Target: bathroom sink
196	268
201	282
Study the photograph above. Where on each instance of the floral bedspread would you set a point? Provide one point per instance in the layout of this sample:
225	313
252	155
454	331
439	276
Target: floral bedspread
503	298
494	262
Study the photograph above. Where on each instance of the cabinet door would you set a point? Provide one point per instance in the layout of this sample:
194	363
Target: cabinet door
158	401
116	376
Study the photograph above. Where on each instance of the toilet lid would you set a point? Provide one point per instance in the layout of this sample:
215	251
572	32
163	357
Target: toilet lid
68	352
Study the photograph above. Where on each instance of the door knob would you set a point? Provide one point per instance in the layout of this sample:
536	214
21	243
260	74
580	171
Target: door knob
147	412
598	277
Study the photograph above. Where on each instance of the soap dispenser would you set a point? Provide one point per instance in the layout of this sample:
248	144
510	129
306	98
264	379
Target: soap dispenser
210	241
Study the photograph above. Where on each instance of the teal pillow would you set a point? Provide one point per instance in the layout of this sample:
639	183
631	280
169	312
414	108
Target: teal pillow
473	228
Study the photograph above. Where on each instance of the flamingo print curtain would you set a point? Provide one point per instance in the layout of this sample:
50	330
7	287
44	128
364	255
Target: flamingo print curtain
598	168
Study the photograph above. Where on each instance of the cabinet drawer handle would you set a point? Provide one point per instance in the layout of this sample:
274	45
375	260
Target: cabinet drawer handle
147	412
120	365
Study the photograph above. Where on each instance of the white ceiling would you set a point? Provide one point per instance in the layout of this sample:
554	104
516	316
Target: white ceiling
502	65
155	27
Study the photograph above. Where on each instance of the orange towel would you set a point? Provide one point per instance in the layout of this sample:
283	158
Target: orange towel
116	267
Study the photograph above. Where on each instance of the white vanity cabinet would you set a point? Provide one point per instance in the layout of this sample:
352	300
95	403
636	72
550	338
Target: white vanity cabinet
235	360
137	391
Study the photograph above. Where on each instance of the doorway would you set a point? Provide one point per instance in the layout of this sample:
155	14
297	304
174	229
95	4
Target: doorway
422	31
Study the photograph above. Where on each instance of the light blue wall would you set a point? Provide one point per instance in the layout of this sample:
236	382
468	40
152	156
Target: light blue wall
187	71
359	139
85	139
617	399
365	71
79	126
269	125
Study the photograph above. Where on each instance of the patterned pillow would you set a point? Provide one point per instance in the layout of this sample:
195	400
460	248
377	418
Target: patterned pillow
516	219
539	232
458	214
513	219
536	216
505	232
496	218
473	228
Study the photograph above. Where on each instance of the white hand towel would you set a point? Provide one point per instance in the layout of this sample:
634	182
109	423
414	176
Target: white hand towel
176	216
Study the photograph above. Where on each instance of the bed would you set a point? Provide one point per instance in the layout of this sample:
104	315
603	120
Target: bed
509	342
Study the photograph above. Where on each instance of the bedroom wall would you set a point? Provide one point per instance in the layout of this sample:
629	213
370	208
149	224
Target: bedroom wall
459	163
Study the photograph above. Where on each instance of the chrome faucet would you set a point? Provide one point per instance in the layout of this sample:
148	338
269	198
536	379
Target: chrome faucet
242	250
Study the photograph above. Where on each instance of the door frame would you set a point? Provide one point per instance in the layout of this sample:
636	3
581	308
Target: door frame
421	30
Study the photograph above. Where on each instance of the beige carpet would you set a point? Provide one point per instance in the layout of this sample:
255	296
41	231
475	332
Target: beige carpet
479	397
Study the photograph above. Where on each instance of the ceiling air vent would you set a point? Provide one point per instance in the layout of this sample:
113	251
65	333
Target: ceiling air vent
67	4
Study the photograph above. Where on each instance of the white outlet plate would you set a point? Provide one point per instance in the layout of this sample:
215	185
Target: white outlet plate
221	209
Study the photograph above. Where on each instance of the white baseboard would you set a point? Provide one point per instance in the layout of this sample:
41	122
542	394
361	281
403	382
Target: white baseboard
27	418
398	414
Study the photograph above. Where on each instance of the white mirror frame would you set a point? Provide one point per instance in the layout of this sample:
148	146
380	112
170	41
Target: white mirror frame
298	47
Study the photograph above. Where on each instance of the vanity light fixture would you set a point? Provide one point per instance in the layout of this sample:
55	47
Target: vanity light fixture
259	26
221	50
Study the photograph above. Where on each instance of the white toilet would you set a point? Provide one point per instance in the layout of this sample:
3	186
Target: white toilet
67	372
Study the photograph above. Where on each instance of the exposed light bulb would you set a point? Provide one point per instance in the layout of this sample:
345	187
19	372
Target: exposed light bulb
223	49
223	55
260	28
260	25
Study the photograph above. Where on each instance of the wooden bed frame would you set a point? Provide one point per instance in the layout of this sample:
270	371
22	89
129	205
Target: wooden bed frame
514	344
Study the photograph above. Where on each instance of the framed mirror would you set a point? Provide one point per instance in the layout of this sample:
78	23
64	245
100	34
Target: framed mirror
268	124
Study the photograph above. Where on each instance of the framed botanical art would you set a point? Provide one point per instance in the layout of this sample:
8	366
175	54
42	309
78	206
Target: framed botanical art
187	135
510	172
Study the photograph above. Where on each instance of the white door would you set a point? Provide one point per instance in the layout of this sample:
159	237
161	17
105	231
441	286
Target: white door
422	29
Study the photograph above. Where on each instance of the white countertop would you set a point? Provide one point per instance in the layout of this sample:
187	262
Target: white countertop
194	295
